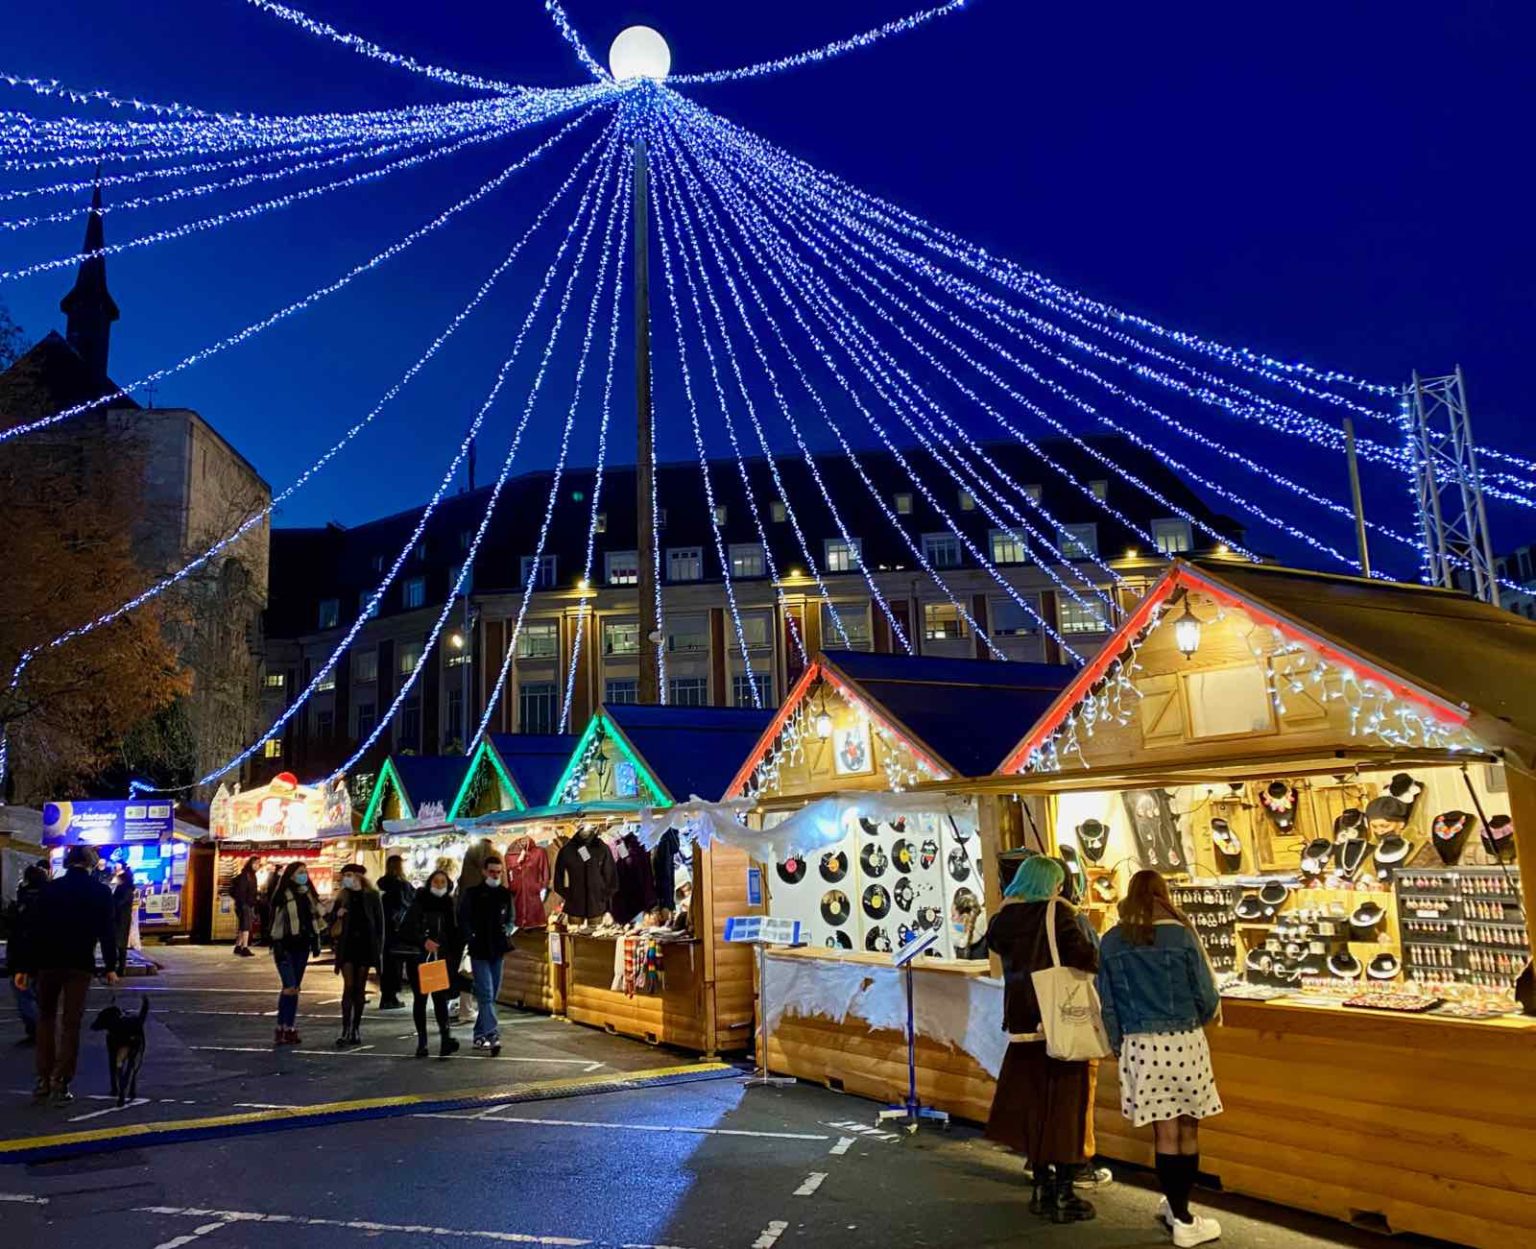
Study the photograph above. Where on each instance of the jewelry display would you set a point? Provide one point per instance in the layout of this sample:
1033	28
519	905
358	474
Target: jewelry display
1462	926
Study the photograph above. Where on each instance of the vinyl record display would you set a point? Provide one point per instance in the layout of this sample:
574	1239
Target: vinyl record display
874	860
929	917
834	866
835	907
877	901
905	894
878	940
959	864
791	871
839	941
904	855
929	852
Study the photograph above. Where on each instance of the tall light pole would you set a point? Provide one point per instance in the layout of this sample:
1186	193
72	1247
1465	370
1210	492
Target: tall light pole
639	52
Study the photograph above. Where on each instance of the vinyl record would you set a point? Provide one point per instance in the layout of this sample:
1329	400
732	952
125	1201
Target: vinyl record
906	932
792	870
871	827
834	866
835	907
839	941
877	940
900	824
959	864
904	855
928	853
877	902
873	859
929	917
905	894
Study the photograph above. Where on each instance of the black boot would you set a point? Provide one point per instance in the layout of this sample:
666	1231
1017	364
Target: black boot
1066	1205
447	1046
1040	1195
421	1045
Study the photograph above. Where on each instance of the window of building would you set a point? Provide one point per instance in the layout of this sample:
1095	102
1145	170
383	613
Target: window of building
855	618
540	639
621	637
1006	619
719	515
687	634
967	501
326	683
413	592
1035	493
538	571
942	550
1099	488
1079	541
778	511
408	725
325	723
942	622
537	707
1075	617
466	539
366	717
748	559
623	567
741	689
685	563
842	555
688	691
378	563
1008	547
276	680
903	504
757	629
420	550
455	725
272	748
410	656
1171	534
366	608
600	523
621	691
330	613
365	665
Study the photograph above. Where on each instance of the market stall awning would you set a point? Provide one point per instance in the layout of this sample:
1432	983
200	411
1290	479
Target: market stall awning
417	781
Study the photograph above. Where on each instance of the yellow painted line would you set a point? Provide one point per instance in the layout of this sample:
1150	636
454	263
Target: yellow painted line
296	1114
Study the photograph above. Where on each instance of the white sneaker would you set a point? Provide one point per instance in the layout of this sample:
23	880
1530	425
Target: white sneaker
1164	1213
1094	1177
1196	1232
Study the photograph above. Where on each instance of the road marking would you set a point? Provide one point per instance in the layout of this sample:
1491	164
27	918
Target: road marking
268	1106
25	1199
362	1051
841	1148
770	1234
110	1110
862	1130
490	1116
177	1242
227	1217
812	1183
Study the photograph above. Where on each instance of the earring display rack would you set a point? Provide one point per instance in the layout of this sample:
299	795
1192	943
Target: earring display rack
1209	908
1462	925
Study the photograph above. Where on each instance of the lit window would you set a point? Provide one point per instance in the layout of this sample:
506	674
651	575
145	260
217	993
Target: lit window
410	656
719	515
272	748
1171	535
1008	547
855	621
942	550
687	634
330	613
408	725
748	560
623	567
967	501
365	605
621	637
1075	617
600	523
1007	619
843	554
1100	489
276	680
1035	493
413	593
903	504
365	666
778	511
1079	541
537	707
942	622
621	692
540	639
688	691
326	683
756	628
538	571
685	563
741	689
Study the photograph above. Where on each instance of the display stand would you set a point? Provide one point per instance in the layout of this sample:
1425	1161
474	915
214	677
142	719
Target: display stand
763	931
912	1110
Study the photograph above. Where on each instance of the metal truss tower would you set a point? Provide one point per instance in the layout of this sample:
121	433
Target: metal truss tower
1452	517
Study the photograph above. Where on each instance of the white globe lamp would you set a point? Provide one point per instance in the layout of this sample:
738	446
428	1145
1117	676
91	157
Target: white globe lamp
639	52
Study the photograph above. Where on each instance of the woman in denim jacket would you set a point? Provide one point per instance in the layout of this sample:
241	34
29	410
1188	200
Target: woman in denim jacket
1158	992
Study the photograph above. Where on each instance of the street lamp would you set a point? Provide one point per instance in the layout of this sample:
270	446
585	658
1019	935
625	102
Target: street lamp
639	52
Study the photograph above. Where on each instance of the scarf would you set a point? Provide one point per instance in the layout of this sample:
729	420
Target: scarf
294	916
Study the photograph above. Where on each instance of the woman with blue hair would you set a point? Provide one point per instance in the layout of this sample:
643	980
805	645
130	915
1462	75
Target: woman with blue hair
1040	1107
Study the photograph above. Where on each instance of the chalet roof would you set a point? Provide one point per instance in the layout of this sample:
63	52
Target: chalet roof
690	750
534	761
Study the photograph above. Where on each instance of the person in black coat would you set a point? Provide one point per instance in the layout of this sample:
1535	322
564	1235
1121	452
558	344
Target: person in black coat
357	924
18	929
430	931
485	913
396	892
125	901
244	892
71	918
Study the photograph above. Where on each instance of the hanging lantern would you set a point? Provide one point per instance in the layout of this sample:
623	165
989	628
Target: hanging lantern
1186	632
824	725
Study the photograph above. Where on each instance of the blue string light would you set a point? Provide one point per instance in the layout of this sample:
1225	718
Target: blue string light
568	32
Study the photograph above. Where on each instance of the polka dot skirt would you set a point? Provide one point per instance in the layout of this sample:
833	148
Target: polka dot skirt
1166	1074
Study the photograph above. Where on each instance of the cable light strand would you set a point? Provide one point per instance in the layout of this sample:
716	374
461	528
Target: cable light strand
569	33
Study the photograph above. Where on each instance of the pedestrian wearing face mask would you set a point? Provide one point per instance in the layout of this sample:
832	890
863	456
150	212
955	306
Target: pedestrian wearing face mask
485	913
430	930
357	925
295	938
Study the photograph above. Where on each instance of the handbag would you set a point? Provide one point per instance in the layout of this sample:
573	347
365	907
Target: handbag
432	976
1070	1014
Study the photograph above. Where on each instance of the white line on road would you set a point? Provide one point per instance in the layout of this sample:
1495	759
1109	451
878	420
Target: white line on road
841	1148
110	1110
25	1199
770	1234
489	1116
812	1183
362	1051
176	1242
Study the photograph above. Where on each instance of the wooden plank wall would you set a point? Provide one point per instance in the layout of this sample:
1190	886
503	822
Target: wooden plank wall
674	1016
732	966
1425	1126
528	978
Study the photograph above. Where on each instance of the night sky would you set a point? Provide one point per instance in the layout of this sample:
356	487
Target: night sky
1345	183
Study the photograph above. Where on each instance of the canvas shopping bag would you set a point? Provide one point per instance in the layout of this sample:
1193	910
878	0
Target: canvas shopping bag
1070	1015
432	976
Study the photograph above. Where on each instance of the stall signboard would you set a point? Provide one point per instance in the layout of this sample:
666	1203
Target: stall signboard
106	821
762	930
281	810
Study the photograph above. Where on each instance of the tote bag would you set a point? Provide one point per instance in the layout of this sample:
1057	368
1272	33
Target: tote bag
1070	1015
432	976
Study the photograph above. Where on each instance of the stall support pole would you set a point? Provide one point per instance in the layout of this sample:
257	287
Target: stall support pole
912	1110
1522	809
761	1076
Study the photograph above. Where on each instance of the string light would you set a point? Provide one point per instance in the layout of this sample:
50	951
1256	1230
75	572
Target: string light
313	297
810	57
52	88
568	32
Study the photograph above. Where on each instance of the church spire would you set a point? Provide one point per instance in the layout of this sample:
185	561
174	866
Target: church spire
89	309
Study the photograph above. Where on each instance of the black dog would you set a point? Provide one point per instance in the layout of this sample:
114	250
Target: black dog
125	1048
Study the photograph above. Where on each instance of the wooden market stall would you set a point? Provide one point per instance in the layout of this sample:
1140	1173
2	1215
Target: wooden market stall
413	787
511	772
1339	778
861	754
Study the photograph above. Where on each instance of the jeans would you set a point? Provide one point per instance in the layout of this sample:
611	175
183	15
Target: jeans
26	1007
58	1041
291	961
487	987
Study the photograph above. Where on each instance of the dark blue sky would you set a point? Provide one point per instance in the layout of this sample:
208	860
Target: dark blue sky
1342	182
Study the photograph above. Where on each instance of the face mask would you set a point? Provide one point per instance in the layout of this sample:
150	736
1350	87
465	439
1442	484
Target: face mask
350	882
439	891
493	881
301	879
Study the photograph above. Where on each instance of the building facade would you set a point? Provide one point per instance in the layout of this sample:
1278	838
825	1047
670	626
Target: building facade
724	642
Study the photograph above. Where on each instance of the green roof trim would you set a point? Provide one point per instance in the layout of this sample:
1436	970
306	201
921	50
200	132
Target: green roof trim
600	722
486	751
376	799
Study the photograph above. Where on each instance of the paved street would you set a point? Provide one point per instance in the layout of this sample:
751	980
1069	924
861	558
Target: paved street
705	1164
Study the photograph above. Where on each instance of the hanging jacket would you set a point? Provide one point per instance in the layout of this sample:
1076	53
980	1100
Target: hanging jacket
528	877
585	876
664	868
636	892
